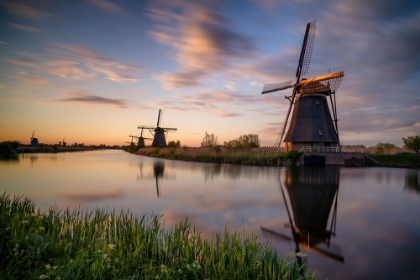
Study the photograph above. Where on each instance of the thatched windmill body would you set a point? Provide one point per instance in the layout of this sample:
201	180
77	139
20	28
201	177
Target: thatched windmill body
312	123
159	133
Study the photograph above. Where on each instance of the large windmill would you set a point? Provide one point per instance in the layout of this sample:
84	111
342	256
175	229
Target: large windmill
312	123
159	133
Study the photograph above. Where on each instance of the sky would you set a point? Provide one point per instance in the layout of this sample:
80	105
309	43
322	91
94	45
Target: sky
92	71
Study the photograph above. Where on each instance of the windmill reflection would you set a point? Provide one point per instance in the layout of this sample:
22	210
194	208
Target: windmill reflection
310	195
158	173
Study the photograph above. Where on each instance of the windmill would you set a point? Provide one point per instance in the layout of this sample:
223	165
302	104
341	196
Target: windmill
63	144
159	133
312	123
312	196
140	140
34	141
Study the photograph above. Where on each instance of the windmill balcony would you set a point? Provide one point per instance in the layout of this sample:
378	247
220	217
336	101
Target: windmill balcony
320	149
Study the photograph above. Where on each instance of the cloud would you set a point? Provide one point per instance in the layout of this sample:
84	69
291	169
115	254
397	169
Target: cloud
67	70
24	11
229	114
83	97
24	27
39	81
108	6
23	62
83	62
201	38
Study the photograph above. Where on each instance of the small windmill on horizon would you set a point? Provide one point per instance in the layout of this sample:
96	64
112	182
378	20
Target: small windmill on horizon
312	123
159	133
34	141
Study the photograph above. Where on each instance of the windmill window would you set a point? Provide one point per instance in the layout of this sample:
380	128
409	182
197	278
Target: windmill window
320	132
317	102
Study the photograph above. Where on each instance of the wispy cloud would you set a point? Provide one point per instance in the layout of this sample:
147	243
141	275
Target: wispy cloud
66	69
83	96
82	62
24	11
24	27
23	62
38	81
108	6
201	38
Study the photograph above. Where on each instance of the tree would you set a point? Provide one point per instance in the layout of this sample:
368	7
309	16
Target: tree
7	147
209	140
243	142
173	144
381	148
412	143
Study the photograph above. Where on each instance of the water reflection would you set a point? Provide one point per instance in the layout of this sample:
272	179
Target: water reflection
412	180
310	195
10	158
158	174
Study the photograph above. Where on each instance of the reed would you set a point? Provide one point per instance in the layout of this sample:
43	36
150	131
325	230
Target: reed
251	157
99	244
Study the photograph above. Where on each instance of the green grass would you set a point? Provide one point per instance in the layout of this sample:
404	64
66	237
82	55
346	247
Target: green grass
98	244
397	160
209	155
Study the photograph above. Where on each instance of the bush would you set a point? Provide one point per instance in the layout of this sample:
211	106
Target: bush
173	144
412	143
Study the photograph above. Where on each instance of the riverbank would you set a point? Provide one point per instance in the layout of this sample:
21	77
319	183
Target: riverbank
53	149
268	157
98	244
260	156
398	160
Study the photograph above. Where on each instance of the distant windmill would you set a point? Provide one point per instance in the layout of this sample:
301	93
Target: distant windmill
311	123
63	144
34	141
159	133
140	140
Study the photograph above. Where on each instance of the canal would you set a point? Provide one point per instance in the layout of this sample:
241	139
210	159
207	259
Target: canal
353	223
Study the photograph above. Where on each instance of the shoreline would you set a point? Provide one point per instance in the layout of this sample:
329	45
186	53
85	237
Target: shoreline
261	157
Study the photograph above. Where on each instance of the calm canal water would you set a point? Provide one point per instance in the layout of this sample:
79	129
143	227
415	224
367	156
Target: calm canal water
354	223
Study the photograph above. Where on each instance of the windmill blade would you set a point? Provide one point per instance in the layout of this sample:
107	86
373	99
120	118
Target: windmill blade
158	121
287	116
321	83
331	250
167	128
276	87
306	51
145	127
33	134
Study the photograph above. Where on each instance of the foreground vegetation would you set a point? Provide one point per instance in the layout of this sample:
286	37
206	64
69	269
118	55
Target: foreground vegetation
101	245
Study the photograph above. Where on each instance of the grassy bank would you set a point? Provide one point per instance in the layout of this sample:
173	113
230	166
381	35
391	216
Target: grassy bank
100	245
251	157
397	160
